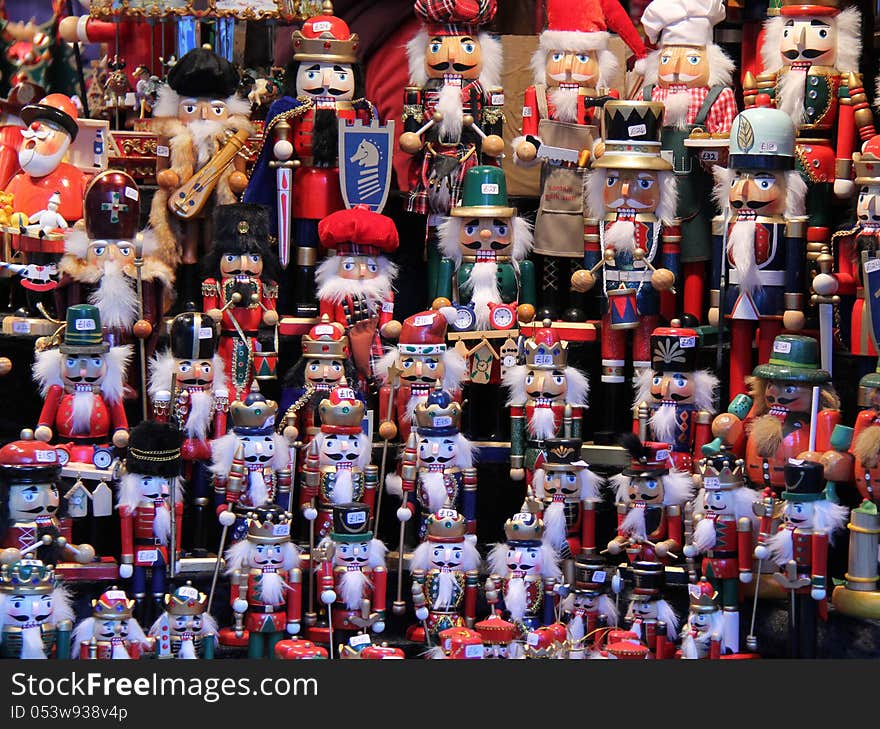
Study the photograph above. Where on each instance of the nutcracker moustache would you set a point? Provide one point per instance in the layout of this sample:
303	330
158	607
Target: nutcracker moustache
111	632
701	636
185	629
649	616
588	606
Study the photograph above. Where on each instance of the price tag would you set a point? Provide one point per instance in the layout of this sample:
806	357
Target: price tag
447	513
662	455
21	327
360	640
206	332
47	456
424	320
637	130
497	100
162	151
441	421
84	325
533	639
189	592
345	393
711	482
527	112
281	530
782	347
324	330
768	146
872	265
709	155
147	555
321	26
543	359
687	342
599	576
131	193
489	188
355	517
388	307
473	651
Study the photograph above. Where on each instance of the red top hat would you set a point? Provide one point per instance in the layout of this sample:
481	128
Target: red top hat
358	231
583	25
455	17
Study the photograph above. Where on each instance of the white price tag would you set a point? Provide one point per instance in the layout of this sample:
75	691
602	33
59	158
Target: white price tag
21	327
162	151
47	456
497	100
324	330
782	347
388	307
687	342
205	332
357	641
189	592
543	359
489	188
768	146
281	530
711	482
662	455
424	320
527	112
345	393
637	130
147	555
84	325
599	576
533	639
709	155
355	518
447	513
131	193
321	26
441	421
872	265
473	651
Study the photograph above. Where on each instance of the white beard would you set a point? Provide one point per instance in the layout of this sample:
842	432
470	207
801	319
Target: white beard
663	423
119	652
435	489
414	400
201	408
676	110
162	523
445	590
621	236
634	524
791	94
566	103
205	134
741	246
352	586
449	104
258	492
115	298
272	588
704	535
83	402
554	523
32	644
483	284
542	424
187	649
343	488
781	546
576	628
374	290
689	647
40	165
516	598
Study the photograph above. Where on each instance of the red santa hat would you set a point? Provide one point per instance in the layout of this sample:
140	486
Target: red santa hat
455	17
425	332
358	231
583	26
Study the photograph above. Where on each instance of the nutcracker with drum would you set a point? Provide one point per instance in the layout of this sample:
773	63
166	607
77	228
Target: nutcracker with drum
702	633
588	606
185	629
692	77
497	635
649	615
111	632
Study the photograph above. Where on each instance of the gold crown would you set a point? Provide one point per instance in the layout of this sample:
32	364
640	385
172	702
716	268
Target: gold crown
703	597
186	600
329	340
326	47
342	409
445	525
544	350
272	529
867	168
255	412
524	526
113	604
29	577
439	411
721	473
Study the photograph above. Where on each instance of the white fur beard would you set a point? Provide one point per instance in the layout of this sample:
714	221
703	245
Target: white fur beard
677	110
258	492
374	290
542	424
791	94
83	402
621	236
343	488
187	649
576	627
352	586
449	104
516	598
704	535
483	284
781	546
204	134
119	651
554	523
32	643
435	489
663	423
272	588
445	589
201	407
566	103
689	647
115	298
162	523
634	524
414	400
741	246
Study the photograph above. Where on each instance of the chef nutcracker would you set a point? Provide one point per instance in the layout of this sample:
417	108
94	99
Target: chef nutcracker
588	606
111	632
185	629
198	405
778	424
674	400
758	262
547	398
811	515
723	532
323	84
573	70
702	634
36	617
452	114
649	616
265	582
150	534
240	289
631	239
445	572
692	77
485	247
202	124
355	286
650	495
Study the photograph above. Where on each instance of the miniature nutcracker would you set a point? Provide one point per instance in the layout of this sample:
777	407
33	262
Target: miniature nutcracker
445	572
36	617
692	77
452	114
111	632
355	287
631	195
150	490
758	261
457	644
650	495
185	629
702	634
573	70
199	405
723	532
649	616
547	399
485	246
265	581
240	290
588	606
202	124
674	400
810	517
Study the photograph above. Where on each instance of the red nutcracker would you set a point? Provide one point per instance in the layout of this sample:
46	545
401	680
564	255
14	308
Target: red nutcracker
458	644
649	616
588	606
702	634
111	632
866	437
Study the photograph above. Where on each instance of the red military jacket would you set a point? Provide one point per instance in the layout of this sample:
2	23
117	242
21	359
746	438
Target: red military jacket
580	523
331	577
558	408
811	554
139	545
248	315
732	552
105	649
197	449
661	523
57	413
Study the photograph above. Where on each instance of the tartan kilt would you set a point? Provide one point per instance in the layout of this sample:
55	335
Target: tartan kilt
421	176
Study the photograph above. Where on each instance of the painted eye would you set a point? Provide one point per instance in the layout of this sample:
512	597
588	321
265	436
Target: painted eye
431	364
557	57
470	229
765	183
230	258
96	361
582	58
256	258
681	382
646	184
125	250
529	378
218	110
29	496
435	47
469	46
336	367
664	60
314	367
372	267
348	266
558	379
185	367
651	484
785	33
501	230
657	380
342	75
823	33
611	181
71	362
99	250
693	60
189	108
312	75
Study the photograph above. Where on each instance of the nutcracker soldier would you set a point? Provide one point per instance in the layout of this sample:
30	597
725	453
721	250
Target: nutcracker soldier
150	534
265	581
485	247
452	109
723	532
185	629
674	399
240	289
112	631
758	261
588	606
702	634
36	617
199	405
692	77
866	437
800	548
546	398
573	69
649	616
202	124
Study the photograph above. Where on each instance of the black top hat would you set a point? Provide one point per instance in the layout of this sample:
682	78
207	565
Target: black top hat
804	481
351	522
241	226
154	449
203	73
193	336
562	453
590	575
648	580
649	460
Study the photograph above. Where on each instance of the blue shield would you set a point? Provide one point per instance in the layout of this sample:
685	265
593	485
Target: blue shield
871	269
365	152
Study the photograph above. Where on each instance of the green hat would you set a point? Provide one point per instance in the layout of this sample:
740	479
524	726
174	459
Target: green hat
484	194
795	358
872	379
83	334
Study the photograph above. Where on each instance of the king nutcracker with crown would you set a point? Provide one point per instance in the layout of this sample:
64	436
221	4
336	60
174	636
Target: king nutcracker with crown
111	632
588	606
649	616
702	633
185	629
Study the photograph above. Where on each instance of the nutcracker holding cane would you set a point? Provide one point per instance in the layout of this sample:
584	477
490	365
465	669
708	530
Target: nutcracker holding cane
588	606
185	629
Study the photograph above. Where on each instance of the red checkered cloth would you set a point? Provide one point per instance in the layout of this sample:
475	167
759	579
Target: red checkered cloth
721	115
456	12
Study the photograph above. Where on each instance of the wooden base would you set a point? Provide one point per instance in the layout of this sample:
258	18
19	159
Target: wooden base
24	326
856	604
105	568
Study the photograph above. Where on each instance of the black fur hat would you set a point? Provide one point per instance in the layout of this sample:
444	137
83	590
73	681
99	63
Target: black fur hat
203	73
154	449
242	228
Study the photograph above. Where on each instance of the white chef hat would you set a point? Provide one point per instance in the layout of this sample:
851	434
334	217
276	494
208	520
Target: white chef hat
682	22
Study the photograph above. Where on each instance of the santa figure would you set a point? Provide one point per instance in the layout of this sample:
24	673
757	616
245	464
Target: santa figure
112	631
702	634
185	629
12	126
588	605
649	616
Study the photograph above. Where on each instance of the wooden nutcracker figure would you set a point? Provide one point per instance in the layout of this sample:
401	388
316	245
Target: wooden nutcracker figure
111	632
452	109
185	629
674	400
866	438
497	635
265	582
150	491
12	126
202	125
692	77
188	388
546	398
445	572
573	69
588	606
36	617
649	616
240	289
485	247
631	196
758	262
650	495
811	515
702	634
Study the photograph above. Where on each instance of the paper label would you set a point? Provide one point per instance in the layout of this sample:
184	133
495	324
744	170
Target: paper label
711	482
489	188
321	26
441	421
189	592
599	576
21	327
206	332
424	320
355	517
687	342
447	514
768	147
473	651
496	99
709	155
694	590
543	359
281	530
447	644
662	455
527	112
345	393
131	193
47	456
323	330
147	555
637	130
162	150
872	265
388	307
85	325
533	639
357	641
782	347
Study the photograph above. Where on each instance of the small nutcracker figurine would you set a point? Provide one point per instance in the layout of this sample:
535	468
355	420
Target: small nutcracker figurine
150	533
265	581
866	437
112	631
588	606
649	616
185	629
811	515
240	289
546	398
702	634
36	617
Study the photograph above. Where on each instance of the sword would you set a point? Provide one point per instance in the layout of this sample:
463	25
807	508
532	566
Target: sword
825	298
284	165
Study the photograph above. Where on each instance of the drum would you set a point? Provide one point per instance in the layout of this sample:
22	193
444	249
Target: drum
266	361
622	308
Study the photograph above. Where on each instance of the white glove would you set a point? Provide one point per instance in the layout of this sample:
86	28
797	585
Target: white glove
745	577
616	584
817	593
378	626
292	628
404	514
163	396
310	513
125	571
422	613
761	552
239	605
844	188
328	597
689	550
227	518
